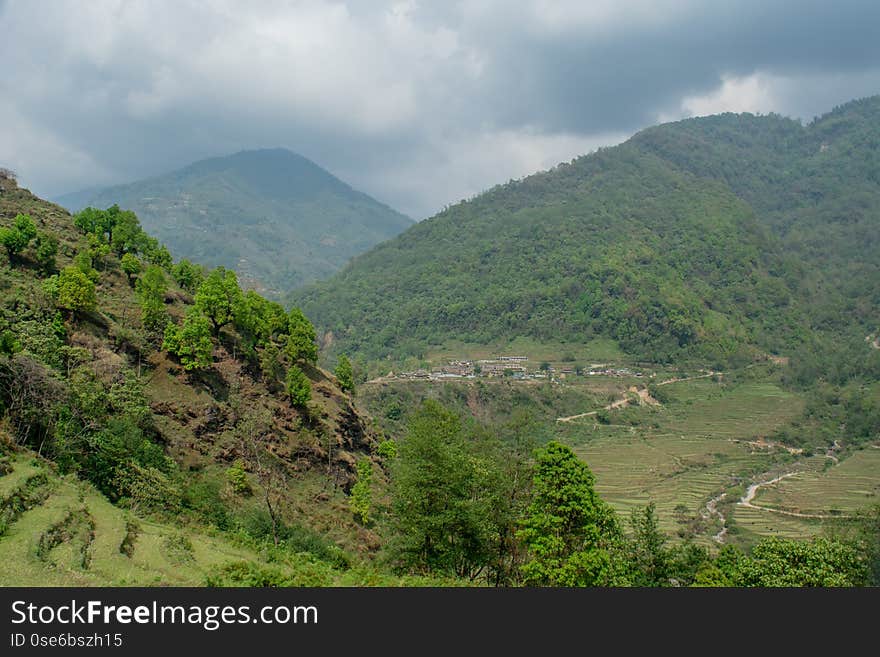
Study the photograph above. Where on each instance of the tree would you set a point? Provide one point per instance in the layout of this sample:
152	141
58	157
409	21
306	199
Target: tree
822	561
190	342
128	236
298	386
344	374
45	250
571	534
361	498
150	289
648	553
218	297
131	265
75	291
301	341
439	514
16	239
188	275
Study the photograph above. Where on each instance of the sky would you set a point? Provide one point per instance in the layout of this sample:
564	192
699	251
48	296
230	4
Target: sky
419	104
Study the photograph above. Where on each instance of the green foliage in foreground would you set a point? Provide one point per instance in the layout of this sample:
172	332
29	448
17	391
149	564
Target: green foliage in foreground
572	535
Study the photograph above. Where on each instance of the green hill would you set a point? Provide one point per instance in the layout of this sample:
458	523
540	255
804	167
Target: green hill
206	450
713	239
277	218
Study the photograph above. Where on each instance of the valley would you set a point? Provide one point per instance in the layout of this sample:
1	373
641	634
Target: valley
705	456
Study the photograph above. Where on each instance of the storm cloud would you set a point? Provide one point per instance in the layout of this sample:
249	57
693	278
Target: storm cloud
418	104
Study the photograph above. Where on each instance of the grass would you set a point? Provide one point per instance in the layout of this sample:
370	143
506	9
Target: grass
60	524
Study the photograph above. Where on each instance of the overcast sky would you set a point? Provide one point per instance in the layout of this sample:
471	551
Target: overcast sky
419	104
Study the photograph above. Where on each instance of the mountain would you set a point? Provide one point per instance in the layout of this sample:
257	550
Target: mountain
279	219
89	390
716	238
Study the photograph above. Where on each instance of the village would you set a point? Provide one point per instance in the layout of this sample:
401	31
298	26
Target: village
516	368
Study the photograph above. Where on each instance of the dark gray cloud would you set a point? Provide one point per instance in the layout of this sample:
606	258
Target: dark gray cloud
419	104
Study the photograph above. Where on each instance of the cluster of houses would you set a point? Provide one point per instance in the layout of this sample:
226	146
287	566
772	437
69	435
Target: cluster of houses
515	367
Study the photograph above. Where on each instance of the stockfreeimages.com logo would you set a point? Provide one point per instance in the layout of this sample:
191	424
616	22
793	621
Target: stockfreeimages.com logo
209	617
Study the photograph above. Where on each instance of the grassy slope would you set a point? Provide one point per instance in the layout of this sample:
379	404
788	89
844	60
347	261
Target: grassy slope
160	554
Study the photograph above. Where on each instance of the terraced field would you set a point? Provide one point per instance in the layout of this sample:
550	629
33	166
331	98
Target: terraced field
819	488
58	531
705	441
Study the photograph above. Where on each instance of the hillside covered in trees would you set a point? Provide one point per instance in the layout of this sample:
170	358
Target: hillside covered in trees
167	390
712	239
277	218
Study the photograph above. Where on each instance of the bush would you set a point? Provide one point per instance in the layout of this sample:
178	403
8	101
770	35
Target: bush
238	479
387	449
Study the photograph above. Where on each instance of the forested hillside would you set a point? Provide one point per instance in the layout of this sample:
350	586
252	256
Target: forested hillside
164	389
714	239
275	217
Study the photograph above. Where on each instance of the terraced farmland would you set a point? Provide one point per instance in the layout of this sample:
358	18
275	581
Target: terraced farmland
821	488
61	532
702	443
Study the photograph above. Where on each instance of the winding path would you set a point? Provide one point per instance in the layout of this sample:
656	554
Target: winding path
643	396
752	491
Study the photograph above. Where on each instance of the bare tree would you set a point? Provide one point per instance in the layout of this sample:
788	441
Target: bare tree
254	432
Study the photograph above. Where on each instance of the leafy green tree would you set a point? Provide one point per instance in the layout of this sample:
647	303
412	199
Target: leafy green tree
218	297
75	291
155	253
361	499
238	479
17	238
128	236
270	363
190	342
8	343
301	341
344	374
776	562
189	276
89	220
97	251
259	320
45	250
131	265
650	558
298	386
571	534
387	449
439	516
150	289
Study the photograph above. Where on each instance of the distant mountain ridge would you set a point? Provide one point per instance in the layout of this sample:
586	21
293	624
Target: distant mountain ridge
276	217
